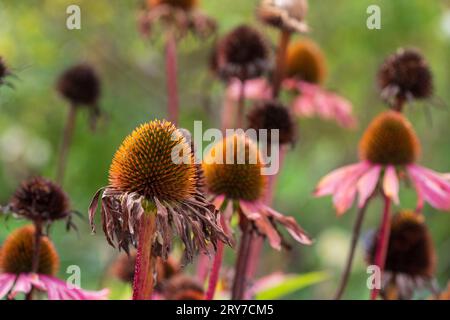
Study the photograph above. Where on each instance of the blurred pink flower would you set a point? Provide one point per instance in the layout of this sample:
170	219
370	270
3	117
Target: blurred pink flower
55	288
312	99
388	148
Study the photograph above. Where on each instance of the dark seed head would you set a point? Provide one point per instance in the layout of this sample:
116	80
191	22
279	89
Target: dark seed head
16	255
390	139
242	54
80	85
411	249
39	199
405	75
272	115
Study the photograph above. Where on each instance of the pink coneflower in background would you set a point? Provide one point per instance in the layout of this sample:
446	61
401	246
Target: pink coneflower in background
388	151
239	187
16	275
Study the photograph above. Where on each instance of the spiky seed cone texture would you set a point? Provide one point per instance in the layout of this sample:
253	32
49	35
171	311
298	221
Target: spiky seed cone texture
305	61
16	254
406	74
411	250
390	139
40	199
272	115
236	180
242	53
80	85
183	4
143	163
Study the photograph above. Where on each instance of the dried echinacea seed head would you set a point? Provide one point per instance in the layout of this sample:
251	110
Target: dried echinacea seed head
390	139
16	254
305	61
242	54
80	85
411	249
233	168
39	199
182	4
143	164
287	15
405	75
272	115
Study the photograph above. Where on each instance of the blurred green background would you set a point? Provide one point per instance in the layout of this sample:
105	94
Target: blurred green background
37	46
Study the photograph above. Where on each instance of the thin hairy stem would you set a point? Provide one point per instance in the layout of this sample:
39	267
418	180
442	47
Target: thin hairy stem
242	263
65	144
285	37
241	106
171	78
355	237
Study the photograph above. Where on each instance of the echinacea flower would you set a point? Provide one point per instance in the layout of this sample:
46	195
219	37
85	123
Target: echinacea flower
151	196
16	274
42	201
80	85
272	115
305	72
286	15
179	15
234	178
242	182
143	171
389	149
243	54
182	287
410	259
404	76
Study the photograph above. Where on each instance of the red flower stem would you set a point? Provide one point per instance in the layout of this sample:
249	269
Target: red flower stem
355	237
242	263
202	267
383	242
65	144
217	263
241	106
215	271
143	272
171	78
285	37
36	254
228	110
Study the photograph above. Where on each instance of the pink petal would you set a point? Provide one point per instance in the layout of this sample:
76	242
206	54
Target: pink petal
332	181
367	183
6	283
23	284
290	224
432	186
255	89
262	223
59	290
390	184
303	106
218	201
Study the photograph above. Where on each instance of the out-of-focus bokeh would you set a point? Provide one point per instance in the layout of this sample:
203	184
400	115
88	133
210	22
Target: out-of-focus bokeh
36	44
